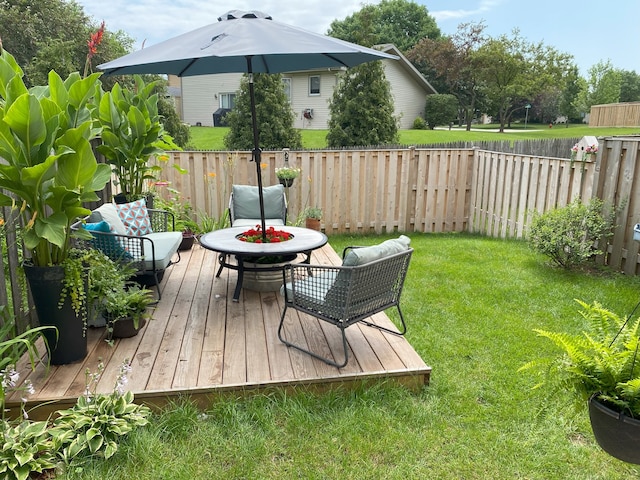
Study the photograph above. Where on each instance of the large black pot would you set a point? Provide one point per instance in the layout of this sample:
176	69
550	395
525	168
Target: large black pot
69	343
616	433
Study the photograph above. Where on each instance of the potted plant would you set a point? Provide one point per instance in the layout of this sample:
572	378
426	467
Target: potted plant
312	216
601	367
286	175
105	276
49	172
126	310
132	133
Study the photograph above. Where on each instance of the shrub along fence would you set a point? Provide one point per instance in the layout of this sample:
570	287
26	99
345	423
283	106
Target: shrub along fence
418	190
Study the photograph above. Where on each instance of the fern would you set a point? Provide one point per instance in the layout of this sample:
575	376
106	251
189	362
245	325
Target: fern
603	360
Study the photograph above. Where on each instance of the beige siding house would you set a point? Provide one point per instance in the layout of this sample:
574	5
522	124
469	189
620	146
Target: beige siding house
309	93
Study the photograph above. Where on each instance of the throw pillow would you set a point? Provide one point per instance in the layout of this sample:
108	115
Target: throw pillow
107	244
135	217
109	214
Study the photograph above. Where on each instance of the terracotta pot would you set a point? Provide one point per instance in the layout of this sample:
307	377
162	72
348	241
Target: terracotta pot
312	223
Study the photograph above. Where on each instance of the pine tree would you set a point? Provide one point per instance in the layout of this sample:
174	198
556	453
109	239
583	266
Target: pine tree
362	109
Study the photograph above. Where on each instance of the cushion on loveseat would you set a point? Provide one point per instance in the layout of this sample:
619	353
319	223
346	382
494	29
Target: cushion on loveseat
107	244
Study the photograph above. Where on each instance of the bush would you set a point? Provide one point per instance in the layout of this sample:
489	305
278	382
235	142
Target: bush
419	124
568	235
440	109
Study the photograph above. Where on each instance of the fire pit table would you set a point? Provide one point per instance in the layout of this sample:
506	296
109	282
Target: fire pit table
225	241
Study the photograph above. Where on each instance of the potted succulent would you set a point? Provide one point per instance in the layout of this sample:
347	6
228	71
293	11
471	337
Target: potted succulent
49	172
312	216
132	133
126	310
601	366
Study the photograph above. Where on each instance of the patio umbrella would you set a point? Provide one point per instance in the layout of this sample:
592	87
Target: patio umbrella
244	42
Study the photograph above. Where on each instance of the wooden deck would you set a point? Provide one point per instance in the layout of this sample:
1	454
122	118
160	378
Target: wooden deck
200	343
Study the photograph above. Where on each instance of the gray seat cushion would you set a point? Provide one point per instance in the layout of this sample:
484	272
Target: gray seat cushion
166	245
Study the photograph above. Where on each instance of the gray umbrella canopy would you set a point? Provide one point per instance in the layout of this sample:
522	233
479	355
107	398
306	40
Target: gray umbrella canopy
244	42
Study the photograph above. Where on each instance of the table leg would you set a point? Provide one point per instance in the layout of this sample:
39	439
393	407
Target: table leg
236	293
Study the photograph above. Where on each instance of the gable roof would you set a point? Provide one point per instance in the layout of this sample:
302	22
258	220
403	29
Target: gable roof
407	65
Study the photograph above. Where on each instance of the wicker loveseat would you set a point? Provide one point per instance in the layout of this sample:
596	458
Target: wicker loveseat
142	237
369	281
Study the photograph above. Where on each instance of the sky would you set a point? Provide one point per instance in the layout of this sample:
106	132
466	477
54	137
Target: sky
590	30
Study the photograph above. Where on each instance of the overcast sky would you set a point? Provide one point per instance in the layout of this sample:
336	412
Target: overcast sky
590	30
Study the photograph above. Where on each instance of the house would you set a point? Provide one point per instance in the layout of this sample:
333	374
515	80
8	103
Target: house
205	98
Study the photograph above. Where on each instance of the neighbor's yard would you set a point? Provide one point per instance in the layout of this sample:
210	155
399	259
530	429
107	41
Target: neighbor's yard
471	304
210	138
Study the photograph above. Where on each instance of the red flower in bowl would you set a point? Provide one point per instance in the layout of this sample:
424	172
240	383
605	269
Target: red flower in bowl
254	235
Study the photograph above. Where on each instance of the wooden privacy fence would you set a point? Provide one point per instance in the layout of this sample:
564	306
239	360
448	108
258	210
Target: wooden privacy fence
430	190
363	191
615	115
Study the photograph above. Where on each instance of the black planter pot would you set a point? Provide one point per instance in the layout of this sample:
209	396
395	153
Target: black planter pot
124	328
69	343
616	433
120	198
187	241
287	182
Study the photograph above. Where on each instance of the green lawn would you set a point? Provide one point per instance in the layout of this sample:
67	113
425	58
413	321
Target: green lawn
470	303
210	138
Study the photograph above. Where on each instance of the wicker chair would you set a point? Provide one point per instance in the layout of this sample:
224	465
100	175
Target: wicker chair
345	295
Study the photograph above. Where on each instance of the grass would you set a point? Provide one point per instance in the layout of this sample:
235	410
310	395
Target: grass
471	304
210	138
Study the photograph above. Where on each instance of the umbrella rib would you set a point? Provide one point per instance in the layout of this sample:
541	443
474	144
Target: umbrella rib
335	59
187	67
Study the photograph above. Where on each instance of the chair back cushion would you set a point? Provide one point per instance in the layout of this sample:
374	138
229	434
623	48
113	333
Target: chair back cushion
246	203
363	255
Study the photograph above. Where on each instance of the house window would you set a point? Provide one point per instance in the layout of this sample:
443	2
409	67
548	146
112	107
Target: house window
286	82
314	85
227	100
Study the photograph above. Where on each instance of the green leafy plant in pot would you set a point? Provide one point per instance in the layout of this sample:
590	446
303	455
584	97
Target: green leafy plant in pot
49	172
132	133
126	310
601	365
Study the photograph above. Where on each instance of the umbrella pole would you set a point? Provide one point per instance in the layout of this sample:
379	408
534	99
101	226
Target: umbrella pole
257	153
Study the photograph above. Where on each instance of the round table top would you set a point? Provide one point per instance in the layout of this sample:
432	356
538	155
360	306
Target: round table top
225	241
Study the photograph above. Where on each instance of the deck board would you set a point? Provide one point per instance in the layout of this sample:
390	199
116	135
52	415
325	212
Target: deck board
199	342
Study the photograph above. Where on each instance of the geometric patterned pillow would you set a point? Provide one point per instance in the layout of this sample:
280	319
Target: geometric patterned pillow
135	217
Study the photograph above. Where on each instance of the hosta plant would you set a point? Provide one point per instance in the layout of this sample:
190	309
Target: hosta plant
97	422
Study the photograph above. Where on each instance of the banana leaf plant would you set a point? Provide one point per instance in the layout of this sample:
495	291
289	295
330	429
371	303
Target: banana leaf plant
132	133
47	166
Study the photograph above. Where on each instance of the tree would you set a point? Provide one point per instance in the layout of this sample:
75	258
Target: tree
400	22
273	113
172	124
603	84
453	61
569	101
629	86
440	109
46	35
362	108
516	71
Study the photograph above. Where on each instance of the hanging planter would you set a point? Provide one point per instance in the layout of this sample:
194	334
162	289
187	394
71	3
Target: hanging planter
616	433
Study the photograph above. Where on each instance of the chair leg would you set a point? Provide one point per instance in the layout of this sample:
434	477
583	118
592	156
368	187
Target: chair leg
402	331
314	355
